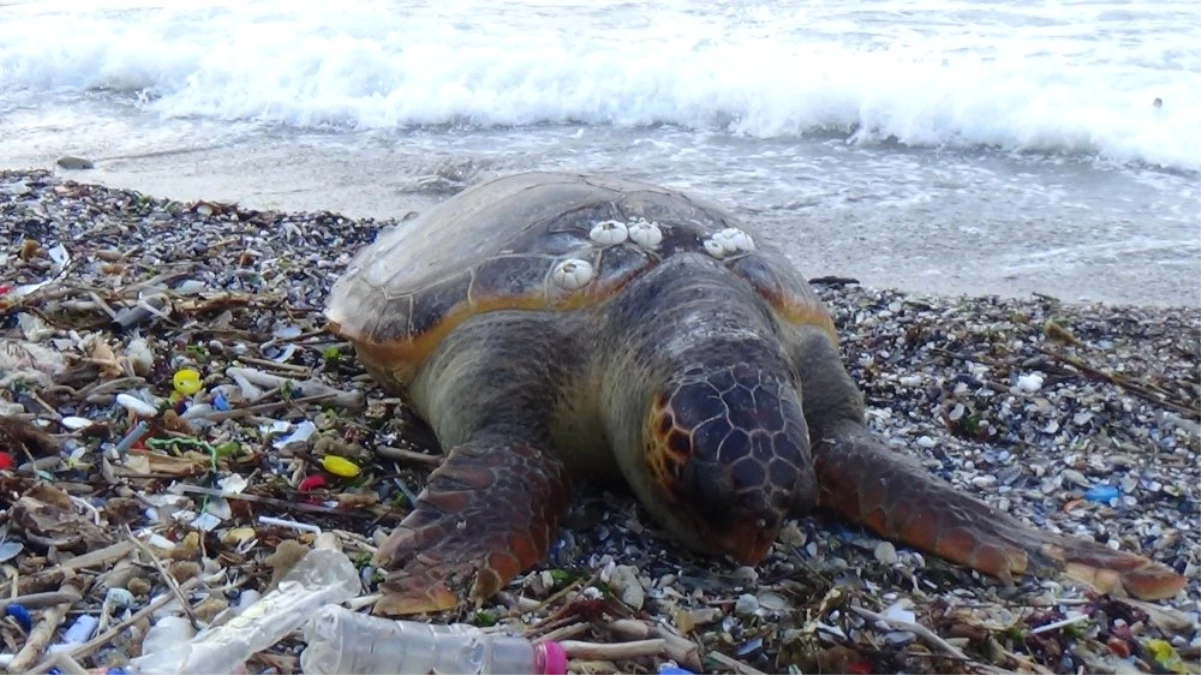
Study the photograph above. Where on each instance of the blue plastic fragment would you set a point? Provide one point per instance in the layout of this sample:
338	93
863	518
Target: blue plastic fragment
674	670
1102	493
220	403
21	614
116	671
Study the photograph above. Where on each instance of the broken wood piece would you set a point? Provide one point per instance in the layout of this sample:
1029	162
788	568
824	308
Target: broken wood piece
917	629
610	652
39	600
402	455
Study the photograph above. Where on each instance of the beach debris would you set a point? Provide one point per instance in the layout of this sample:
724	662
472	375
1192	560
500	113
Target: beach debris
277	440
73	163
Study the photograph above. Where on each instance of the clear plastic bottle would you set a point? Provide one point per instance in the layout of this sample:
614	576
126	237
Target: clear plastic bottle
322	576
342	641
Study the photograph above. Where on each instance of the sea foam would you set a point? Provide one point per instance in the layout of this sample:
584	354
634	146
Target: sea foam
1031	83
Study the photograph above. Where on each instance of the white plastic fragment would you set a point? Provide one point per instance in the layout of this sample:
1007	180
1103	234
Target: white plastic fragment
58	254
322	577
1030	382
280	522
645	233
206	521
75	423
899	611
168	632
81	631
136	405
233	483
303	432
609	232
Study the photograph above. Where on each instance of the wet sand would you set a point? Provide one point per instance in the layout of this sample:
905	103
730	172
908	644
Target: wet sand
874	246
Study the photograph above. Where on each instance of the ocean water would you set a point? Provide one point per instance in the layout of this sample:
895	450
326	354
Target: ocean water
978	146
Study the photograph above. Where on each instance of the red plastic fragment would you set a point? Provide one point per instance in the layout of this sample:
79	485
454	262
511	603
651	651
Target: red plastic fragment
312	483
6	461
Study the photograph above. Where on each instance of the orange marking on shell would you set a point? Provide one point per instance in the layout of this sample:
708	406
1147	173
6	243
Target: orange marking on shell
805	314
402	356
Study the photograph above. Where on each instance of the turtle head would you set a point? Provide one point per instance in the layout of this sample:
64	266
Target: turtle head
728	450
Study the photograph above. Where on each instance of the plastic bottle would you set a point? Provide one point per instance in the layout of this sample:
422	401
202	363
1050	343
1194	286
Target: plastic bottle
342	641
321	577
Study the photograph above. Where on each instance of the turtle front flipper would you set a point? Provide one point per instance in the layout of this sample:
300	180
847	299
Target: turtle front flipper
865	481
488	513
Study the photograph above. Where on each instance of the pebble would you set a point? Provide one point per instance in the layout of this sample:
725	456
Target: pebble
747	605
886	553
624	581
73	163
1075	477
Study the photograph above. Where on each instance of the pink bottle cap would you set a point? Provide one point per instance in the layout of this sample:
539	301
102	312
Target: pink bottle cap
551	659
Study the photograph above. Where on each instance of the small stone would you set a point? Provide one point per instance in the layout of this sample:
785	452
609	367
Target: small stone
746	575
773	602
886	553
626	586
925	442
73	163
1075	477
984	481
792	535
747	605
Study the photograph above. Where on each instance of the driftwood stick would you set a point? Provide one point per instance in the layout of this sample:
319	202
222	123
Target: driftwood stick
402	455
915	628
597	651
734	664
38	600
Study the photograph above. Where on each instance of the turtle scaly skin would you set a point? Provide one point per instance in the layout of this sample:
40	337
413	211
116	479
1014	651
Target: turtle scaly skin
553	325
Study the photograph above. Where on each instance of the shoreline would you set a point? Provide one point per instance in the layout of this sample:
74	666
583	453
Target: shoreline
1024	255
998	396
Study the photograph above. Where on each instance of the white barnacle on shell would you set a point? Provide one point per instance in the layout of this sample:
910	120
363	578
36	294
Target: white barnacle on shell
715	247
645	233
609	232
572	274
741	240
729	241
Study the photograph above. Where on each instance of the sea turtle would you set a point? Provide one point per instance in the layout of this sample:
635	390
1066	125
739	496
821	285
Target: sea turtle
549	326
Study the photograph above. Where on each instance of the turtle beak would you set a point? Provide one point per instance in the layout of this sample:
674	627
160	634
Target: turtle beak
748	542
